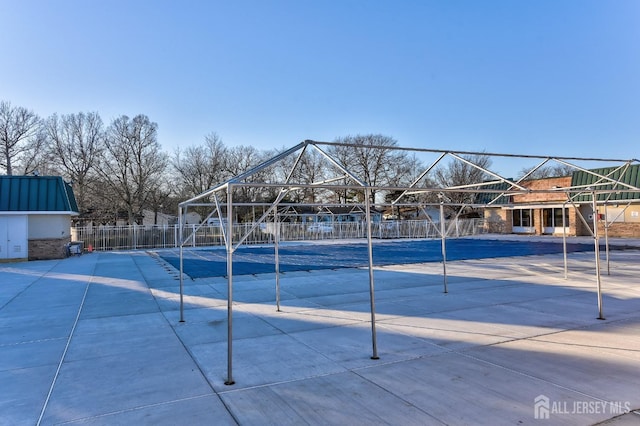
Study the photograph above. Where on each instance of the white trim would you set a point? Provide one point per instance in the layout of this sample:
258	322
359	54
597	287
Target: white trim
523	229
555	230
536	206
14	213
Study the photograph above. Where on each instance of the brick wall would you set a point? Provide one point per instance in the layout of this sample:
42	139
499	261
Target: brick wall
497	221
541	185
621	230
48	248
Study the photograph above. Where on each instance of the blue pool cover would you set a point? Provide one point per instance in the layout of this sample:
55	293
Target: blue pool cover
307	257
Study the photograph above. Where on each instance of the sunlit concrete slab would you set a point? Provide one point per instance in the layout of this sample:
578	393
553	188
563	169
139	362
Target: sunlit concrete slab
603	376
292	319
621	338
98	339
168	300
458	389
334	399
214	329
104	302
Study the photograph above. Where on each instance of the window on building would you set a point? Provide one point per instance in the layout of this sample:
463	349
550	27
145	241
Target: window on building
552	218
522	218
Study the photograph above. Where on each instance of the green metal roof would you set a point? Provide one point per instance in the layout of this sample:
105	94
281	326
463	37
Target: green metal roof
36	194
628	176
494	197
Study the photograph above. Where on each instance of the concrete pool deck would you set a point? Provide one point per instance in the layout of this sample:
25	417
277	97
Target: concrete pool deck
96	339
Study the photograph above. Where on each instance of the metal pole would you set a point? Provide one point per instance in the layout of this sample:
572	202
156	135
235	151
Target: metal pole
229	244
597	250
564	241
276	225
181	266
444	246
606	239
367	204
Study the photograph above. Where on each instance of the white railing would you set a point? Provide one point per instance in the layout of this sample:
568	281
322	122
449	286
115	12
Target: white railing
148	237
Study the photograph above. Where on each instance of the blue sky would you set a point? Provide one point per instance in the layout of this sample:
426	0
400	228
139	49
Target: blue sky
559	78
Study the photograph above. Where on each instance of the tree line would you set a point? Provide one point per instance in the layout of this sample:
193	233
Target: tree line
119	169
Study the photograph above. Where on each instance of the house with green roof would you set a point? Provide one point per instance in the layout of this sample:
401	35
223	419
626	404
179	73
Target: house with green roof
35	217
565	204
616	195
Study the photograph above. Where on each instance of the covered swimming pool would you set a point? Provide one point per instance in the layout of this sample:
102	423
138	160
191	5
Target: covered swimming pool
247	260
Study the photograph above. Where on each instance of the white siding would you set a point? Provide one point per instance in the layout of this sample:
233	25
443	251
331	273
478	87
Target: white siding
49	226
13	237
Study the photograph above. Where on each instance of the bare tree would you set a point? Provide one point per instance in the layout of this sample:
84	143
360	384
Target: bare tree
404	174
243	158
133	164
199	168
548	171
76	141
311	168
461	173
19	138
370	157
36	158
342	154
160	200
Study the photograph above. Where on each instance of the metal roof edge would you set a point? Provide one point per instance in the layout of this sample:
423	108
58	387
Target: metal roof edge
38	212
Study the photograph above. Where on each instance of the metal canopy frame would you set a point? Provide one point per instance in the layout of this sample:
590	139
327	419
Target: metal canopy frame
346	179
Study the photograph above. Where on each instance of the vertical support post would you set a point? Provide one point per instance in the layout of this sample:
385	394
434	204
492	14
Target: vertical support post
564	241
276	231
181	265
443	232
597	253
229	244
367	204
606	239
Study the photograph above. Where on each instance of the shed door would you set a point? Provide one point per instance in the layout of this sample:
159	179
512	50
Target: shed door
13	237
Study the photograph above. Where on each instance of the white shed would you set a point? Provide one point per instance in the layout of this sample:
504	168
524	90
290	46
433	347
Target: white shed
35	217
